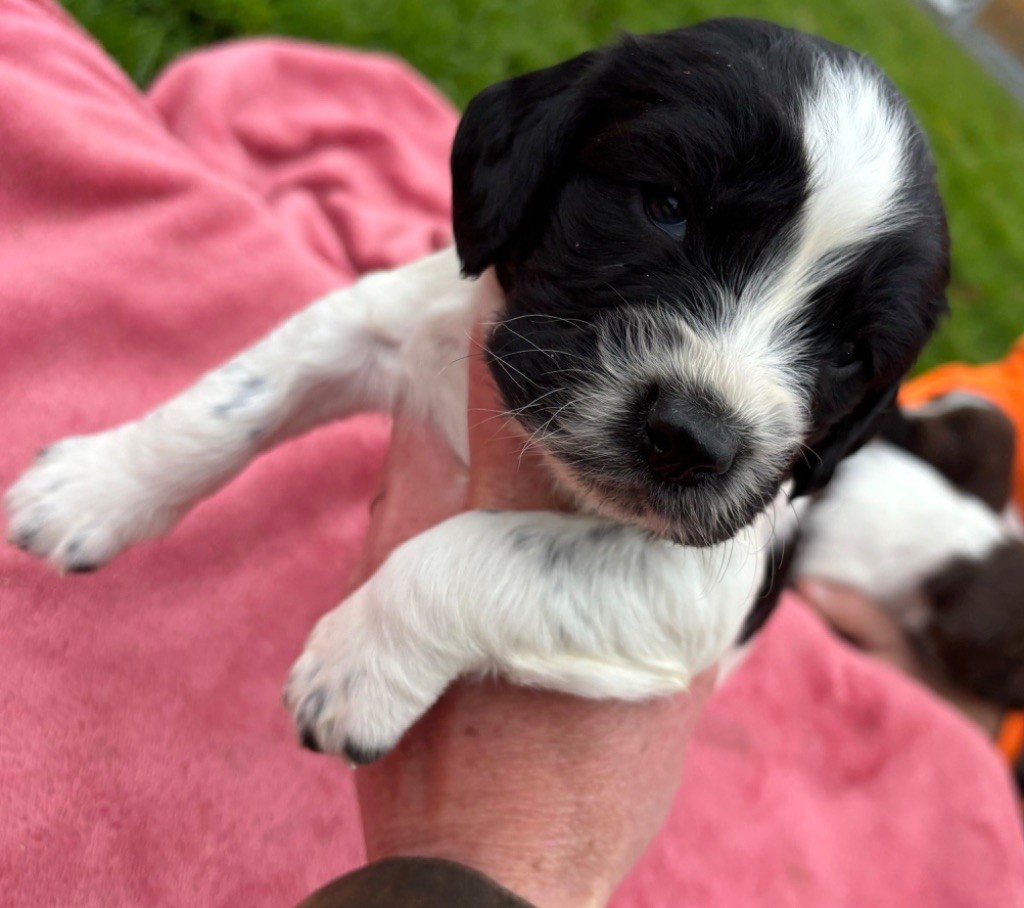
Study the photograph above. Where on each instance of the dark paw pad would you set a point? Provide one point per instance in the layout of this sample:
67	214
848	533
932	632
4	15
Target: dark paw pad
308	738
362	756
25	538
80	566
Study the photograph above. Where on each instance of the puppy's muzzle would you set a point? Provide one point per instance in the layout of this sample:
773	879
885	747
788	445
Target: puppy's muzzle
683	443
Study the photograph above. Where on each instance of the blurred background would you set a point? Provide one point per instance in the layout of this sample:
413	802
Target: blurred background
958	61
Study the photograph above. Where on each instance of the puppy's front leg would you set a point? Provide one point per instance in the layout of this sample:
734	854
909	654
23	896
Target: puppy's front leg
572	603
383	341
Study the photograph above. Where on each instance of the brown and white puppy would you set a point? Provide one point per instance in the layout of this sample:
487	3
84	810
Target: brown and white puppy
923	523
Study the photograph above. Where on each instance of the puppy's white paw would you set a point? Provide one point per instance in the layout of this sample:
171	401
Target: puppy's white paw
80	503
352	692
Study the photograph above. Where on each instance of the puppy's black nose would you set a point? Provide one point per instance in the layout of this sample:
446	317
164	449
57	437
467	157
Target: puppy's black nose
684	444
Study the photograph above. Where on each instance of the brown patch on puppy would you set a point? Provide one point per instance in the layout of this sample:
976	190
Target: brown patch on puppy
976	631
971	444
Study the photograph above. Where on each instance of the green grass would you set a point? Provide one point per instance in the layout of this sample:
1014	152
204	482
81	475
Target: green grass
977	130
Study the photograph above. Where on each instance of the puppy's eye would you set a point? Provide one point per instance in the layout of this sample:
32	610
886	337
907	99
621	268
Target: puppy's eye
848	355
665	209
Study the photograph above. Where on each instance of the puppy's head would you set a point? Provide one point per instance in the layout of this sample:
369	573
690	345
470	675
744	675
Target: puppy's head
968	439
721	247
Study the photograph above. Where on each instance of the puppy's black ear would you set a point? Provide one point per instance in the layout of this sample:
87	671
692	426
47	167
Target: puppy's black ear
509	148
817	464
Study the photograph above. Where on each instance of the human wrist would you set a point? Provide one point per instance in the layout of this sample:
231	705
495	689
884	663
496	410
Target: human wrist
529	787
523	812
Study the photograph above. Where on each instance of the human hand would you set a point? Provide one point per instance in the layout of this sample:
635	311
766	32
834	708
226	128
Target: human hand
553	796
866	626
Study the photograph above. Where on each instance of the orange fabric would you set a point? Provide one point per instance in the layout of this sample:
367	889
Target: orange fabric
1011	736
1001	382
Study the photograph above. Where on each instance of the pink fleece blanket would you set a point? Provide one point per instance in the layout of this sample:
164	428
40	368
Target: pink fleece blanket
144	757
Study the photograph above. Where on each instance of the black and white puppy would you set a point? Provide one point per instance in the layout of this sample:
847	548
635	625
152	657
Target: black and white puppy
922	521
714	253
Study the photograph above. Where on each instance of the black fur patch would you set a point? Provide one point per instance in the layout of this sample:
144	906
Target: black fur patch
778	575
244	394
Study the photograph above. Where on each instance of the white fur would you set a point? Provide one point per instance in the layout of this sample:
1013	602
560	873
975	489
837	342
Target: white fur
953	400
573	603
1012	520
855	138
387	342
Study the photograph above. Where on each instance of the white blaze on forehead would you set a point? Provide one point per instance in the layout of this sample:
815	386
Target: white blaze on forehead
856	141
856	145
